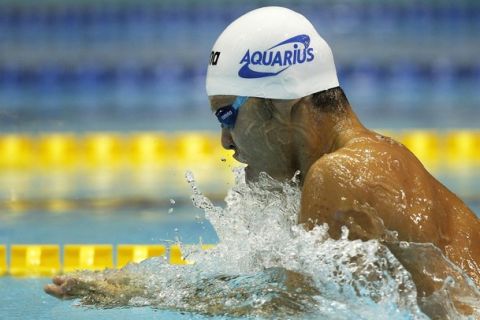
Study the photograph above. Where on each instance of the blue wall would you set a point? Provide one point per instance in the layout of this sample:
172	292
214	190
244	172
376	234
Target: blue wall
402	63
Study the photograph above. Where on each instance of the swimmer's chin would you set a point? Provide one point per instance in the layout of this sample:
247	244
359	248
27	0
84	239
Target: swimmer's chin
250	176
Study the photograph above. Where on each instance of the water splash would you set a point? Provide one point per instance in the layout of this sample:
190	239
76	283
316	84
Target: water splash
266	265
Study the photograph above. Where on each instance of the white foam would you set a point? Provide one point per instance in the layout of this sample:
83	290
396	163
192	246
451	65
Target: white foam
266	265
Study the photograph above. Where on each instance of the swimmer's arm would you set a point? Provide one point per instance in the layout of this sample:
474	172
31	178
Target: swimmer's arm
329	196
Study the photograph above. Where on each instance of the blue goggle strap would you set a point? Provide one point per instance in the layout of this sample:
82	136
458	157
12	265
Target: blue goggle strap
239	101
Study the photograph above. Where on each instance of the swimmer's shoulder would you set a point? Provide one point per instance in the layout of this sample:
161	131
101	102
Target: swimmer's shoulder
325	186
368	157
382	152
333	168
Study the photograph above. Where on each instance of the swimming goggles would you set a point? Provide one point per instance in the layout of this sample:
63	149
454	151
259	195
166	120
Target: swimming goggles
228	115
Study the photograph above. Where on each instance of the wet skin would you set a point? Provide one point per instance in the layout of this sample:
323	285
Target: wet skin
351	176
373	183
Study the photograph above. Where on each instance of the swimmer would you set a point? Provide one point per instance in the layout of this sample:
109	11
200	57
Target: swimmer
273	86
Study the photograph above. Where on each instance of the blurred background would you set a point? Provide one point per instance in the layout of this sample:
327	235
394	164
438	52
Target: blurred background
103	104
137	65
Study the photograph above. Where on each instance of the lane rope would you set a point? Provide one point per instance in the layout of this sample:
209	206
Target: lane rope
36	260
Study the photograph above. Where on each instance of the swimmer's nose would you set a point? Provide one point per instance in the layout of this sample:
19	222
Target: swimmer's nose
227	141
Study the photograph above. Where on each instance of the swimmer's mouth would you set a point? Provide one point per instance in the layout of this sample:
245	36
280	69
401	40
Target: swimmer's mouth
237	157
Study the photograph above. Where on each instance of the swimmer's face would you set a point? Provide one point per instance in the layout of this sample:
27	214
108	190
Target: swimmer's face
260	138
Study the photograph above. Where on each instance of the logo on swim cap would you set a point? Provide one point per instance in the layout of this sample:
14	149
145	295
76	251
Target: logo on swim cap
214	58
272	62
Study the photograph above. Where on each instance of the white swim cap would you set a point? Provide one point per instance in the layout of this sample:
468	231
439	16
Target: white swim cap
271	52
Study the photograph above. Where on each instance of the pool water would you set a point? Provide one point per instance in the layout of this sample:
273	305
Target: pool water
150	226
23	298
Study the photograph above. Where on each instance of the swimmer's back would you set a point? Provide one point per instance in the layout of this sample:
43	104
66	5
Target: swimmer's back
372	175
